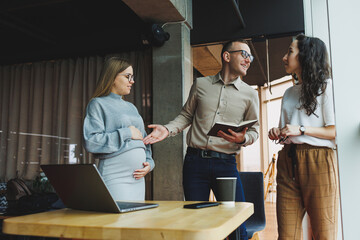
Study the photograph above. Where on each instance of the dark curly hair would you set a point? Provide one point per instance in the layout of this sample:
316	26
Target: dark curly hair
315	70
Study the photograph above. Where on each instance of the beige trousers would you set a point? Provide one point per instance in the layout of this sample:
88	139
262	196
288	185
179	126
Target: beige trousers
307	181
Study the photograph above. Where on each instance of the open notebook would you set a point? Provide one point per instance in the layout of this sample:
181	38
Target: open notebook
80	186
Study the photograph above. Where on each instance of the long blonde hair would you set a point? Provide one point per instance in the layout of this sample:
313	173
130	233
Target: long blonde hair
111	68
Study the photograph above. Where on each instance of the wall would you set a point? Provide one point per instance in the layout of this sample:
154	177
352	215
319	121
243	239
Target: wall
343	26
335	23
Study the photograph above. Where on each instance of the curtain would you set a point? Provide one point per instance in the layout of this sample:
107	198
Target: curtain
42	107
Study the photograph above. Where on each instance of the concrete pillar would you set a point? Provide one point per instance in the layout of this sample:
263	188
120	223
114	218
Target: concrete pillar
172	79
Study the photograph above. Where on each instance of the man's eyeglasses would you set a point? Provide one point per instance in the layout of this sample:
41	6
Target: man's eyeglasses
244	54
129	76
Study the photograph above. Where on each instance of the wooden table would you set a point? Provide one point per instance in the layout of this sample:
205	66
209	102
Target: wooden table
168	221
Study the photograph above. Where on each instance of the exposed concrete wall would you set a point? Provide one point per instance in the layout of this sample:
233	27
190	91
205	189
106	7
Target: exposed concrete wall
172	77
185	9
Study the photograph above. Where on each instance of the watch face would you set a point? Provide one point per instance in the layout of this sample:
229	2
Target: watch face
302	129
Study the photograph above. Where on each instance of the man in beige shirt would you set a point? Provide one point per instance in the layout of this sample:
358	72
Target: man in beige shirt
220	98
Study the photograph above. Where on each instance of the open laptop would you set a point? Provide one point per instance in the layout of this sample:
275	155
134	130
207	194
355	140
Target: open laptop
80	186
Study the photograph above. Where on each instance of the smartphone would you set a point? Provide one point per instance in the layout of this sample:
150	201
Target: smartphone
201	205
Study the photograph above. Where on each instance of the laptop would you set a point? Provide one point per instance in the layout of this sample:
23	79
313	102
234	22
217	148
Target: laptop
81	187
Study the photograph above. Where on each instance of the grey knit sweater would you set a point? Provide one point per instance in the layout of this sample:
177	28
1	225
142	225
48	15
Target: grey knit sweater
106	127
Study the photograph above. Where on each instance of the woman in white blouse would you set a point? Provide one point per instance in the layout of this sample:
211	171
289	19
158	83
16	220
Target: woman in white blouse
307	167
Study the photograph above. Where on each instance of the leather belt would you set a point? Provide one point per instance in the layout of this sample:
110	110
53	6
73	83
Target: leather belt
292	155
209	153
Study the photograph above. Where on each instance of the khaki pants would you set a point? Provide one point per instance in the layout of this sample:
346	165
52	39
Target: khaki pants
307	184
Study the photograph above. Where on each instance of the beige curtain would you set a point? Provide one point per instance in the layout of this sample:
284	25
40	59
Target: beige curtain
42	106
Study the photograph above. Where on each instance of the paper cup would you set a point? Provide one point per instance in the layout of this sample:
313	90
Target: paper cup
226	190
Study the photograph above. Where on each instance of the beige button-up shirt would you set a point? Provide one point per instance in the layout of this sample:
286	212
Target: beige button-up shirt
210	101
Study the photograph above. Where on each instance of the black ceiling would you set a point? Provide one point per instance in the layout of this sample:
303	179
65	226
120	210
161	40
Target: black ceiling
47	29
217	20
33	30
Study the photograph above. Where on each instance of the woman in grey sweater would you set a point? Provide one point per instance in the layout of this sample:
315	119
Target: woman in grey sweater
113	131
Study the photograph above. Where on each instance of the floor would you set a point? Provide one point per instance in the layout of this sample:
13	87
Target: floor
270	232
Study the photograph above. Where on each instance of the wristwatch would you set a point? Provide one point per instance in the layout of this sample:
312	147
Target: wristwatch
302	129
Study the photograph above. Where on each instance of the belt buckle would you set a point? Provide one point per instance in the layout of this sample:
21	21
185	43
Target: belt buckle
205	154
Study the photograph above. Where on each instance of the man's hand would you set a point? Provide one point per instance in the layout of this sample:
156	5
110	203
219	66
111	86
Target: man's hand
234	137
140	173
158	134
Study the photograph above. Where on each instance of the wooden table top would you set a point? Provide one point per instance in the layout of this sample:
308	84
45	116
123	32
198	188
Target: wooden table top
168	221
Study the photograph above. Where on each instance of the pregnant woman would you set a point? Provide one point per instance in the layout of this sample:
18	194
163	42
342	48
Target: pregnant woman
113	131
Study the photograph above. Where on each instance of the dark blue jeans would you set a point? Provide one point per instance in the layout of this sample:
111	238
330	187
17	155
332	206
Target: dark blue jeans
199	176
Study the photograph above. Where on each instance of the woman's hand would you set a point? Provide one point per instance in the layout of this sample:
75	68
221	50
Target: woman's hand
140	173
327	132
274	133
158	134
290	130
135	133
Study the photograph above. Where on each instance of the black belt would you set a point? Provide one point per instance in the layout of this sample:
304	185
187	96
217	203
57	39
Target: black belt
209	153
292	155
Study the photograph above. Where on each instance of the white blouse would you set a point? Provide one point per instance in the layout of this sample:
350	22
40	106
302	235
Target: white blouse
324	115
